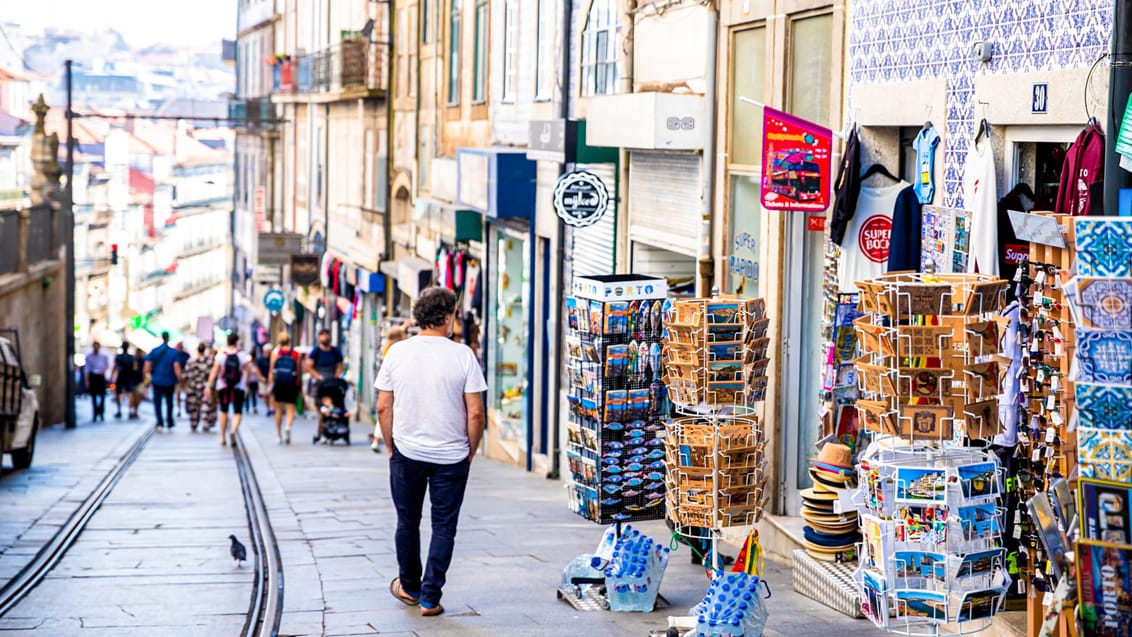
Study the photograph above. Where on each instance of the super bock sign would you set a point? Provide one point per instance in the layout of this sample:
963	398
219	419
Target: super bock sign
580	198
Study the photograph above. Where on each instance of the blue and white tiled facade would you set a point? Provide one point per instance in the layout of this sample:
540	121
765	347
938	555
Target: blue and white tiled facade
905	40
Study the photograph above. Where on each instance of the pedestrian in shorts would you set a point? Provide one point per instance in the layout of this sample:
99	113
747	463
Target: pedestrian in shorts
231	372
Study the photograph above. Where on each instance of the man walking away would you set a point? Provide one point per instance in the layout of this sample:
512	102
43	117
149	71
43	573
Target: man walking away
263	364
430	407
139	378
125	379
182	360
97	364
163	368
232	368
251	396
283	380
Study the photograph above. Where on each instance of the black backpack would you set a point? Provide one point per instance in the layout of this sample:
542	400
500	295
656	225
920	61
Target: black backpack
285	369
232	371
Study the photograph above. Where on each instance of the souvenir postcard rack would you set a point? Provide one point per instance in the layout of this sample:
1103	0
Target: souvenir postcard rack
715	360
932	524
930	365
616	398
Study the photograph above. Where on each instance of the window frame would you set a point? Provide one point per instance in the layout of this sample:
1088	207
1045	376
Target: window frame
481	23
599	63
454	50
544	50
510	49
426	22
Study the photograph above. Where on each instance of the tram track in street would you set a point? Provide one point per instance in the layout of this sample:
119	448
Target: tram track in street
265	608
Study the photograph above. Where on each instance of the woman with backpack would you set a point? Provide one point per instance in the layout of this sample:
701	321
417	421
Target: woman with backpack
284	380
232	368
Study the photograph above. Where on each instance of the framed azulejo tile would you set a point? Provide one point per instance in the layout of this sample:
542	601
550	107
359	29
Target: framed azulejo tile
1105	454
1104	356
1105	303
1104	406
1104	247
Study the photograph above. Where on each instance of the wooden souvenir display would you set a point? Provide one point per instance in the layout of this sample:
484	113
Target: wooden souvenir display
929	348
715	364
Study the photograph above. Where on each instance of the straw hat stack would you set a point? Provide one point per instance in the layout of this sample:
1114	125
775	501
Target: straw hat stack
830	536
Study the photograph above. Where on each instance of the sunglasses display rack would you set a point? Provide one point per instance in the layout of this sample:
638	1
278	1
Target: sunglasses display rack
715	361
929	368
617	398
932	552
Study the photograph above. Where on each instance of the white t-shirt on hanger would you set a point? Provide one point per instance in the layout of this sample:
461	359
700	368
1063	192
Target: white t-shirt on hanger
980	196
864	252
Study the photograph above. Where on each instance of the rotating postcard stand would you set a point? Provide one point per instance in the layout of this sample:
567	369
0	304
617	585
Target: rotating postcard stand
930	492
715	361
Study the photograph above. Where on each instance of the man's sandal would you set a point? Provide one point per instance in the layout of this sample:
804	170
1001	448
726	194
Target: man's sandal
400	594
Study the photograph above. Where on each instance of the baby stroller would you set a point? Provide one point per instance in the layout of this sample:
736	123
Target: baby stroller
333	418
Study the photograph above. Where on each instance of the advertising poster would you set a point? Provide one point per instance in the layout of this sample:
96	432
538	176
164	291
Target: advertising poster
1106	511
1103	587
796	166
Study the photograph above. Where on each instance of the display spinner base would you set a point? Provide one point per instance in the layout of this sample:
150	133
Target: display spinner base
827	582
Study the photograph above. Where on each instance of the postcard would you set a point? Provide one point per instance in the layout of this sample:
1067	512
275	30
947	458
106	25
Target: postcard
980	522
921	525
1106	511
916	604
979	605
572	312
596	315
979	481
1104	579
926	422
722	313
918	486
874	601
729	351
914	565
981	564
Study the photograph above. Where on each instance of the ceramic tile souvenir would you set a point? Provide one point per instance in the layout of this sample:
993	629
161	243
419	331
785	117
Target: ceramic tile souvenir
1105	303
1104	247
1104	454
926	422
1104	406
1105	356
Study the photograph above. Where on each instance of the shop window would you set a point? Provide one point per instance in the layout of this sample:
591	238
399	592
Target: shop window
479	61
510	48
509	337
1039	164
742	258
544	67
748	72
454	53
599	50
811	71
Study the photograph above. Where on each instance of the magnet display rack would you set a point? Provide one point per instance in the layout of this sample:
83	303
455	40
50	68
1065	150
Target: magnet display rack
930	505
616	398
715	360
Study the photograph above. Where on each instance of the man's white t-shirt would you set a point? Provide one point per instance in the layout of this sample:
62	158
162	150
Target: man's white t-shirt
245	358
429	376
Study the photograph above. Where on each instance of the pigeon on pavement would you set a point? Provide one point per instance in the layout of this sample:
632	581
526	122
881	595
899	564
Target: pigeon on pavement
238	551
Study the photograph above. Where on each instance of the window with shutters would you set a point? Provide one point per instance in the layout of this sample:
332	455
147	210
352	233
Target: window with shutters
599	49
510	48
454	53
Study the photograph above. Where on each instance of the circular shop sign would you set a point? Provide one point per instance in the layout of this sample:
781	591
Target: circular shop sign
580	198
274	300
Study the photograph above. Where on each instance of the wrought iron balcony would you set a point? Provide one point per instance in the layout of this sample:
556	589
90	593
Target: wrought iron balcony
353	68
255	114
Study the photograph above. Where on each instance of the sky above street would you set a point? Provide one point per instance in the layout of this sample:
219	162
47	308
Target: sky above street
141	22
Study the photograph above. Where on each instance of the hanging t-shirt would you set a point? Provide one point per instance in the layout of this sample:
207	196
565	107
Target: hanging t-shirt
907	228
980	196
864	252
925	145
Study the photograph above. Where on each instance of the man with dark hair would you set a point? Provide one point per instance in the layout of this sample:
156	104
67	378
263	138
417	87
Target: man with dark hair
324	361
232	368
163	368
126	377
430	408
95	370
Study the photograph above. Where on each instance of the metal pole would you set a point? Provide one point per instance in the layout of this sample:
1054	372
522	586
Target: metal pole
69	236
387	218
1119	88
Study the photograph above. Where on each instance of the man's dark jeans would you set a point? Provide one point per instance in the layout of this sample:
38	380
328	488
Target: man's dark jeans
96	384
163	393
408	480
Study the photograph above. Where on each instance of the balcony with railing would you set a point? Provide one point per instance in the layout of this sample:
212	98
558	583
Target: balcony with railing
351	69
28	236
254	114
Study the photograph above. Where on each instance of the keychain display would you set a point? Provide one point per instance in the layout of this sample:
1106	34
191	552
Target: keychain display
617	398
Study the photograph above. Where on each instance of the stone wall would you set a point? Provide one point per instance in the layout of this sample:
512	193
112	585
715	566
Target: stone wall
34	303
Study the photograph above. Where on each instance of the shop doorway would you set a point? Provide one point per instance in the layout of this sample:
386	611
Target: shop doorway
802	359
507	343
1034	156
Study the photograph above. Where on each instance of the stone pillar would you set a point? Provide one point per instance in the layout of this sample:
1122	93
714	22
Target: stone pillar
22	249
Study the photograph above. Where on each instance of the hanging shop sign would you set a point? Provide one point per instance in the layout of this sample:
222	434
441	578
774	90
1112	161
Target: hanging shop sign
304	269
796	166
580	198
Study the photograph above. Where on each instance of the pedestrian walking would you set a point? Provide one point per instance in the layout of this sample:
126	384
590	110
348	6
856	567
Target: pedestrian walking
197	392
125	378
183	359
140	388
163	369
263	364
323	362
283	383
396	334
95	370
209	414
431	411
251	396
231	371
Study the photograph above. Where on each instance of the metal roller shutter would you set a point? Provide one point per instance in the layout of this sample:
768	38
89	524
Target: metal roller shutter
592	246
665	203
